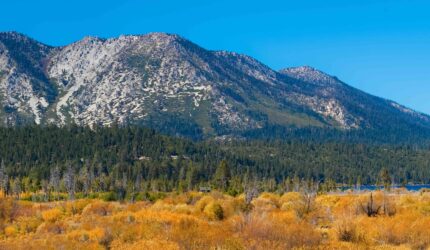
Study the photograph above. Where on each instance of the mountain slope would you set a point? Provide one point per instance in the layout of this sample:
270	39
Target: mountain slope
171	84
365	110
25	90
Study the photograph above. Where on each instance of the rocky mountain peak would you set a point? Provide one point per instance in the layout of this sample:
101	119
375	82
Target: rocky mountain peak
168	83
16	39
13	35
90	40
310	75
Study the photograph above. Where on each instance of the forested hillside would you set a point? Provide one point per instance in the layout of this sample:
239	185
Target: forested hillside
130	158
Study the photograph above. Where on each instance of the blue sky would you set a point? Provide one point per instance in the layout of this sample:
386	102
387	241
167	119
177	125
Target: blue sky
382	47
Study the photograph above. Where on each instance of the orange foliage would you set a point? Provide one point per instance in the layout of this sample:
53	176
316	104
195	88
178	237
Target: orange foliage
52	215
217	221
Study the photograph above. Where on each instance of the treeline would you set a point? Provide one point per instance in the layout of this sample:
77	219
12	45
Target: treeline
402	134
131	160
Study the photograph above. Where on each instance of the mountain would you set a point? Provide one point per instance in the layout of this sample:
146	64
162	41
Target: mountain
168	83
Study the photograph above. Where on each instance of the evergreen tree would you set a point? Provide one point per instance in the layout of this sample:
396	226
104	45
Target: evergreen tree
191	177
385	179
222	175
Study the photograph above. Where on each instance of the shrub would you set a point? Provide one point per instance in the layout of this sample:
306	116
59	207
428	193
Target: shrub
273	198
98	208
347	231
263	205
124	217
28	224
10	231
76	207
267	232
106	239
8	209
306	204
238	204
375	204
289	197
109	196
182	209
154	196
214	211
217	221
52	215
78	235
96	234
160	205
55	228
203	202
145	244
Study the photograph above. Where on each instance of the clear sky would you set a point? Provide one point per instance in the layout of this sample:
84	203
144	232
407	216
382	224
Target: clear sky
382	47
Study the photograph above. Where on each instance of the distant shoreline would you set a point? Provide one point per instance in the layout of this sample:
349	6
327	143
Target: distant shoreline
409	187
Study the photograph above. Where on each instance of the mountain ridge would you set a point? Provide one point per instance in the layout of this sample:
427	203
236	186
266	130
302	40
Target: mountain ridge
169	83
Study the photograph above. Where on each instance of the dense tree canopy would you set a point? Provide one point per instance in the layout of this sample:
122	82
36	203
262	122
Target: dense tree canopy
129	159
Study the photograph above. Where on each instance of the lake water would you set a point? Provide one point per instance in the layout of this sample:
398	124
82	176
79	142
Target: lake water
416	187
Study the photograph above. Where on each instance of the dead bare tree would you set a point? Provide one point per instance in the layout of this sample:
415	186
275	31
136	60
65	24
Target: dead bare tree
308	193
251	192
4	178
54	180
16	188
69	181
388	206
84	177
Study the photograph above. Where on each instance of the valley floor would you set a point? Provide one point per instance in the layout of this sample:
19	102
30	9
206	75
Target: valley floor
378	220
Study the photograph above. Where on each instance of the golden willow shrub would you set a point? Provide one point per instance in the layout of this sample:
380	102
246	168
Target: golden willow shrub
219	221
214	211
52	215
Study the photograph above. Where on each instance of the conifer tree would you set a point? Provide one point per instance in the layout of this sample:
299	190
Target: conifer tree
385	179
222	175
191	177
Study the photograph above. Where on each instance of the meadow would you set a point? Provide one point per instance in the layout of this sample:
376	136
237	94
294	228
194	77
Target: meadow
379	220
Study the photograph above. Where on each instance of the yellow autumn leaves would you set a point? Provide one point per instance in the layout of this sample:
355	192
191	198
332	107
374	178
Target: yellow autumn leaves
217	221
